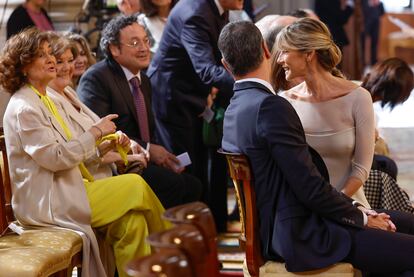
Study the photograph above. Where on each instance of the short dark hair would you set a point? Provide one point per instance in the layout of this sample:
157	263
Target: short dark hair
112	30
299	13
240	44
390	81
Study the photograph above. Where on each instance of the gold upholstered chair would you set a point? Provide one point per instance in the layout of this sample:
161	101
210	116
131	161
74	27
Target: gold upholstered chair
254	265
37	252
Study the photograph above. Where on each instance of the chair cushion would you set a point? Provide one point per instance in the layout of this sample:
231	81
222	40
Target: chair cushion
269	269
38	252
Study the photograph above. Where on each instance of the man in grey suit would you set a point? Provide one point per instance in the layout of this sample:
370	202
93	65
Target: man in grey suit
304	221
108	87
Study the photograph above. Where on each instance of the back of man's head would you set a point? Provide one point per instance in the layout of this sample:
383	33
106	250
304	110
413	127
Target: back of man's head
240	44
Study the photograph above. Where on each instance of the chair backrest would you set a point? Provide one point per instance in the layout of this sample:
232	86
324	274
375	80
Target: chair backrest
164	263
6	212
198	214
188	239
241	174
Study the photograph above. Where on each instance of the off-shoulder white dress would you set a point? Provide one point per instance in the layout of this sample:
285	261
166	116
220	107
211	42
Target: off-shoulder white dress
342	131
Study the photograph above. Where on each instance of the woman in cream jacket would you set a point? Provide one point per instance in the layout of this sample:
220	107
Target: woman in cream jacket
49	159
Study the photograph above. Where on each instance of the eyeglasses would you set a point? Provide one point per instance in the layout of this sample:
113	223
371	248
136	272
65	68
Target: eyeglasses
137	43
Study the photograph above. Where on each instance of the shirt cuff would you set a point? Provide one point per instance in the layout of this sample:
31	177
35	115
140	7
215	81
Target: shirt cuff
356	204
365	218
147	151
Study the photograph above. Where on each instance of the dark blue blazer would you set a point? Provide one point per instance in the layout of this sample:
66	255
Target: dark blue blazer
330	12
188	62
303	219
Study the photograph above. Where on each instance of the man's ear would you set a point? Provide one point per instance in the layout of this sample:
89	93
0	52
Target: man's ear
115	51
266	50
226	66
223	61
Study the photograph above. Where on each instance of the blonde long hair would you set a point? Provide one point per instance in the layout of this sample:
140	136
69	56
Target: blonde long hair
308	34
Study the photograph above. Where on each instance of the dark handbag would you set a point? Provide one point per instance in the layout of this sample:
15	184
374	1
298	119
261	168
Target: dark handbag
132	167
213	130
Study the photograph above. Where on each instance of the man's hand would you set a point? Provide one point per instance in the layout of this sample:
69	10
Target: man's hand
381	221
160	156
367	211
138	158
138	149
212	96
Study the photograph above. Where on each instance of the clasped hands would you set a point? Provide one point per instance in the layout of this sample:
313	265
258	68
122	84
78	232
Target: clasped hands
378	220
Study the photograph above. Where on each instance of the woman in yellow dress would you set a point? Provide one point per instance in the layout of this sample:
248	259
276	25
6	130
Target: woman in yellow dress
55	165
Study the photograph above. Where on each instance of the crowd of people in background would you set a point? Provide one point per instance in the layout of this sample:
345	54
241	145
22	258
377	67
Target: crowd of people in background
119	139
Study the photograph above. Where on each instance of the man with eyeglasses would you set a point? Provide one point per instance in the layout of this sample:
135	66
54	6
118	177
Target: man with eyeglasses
117	85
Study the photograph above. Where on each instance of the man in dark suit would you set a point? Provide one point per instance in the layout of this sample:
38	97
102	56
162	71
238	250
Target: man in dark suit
117	85
303	219
183	72
372	11
335	14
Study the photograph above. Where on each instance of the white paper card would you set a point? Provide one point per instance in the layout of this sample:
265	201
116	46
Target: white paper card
15	228
184	159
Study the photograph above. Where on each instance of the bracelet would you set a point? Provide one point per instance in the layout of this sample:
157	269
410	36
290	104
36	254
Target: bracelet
100	131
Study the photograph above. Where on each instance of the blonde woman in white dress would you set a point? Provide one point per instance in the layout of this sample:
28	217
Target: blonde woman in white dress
336	114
